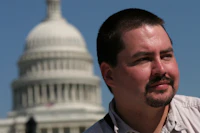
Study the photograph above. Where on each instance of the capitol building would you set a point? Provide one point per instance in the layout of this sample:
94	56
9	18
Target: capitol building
56	87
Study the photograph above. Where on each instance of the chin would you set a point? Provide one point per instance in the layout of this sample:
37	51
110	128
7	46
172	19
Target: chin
159	99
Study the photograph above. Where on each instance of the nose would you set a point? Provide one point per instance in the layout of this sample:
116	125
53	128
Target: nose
158	68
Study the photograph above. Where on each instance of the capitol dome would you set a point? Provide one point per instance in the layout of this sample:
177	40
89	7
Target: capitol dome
56	83
54	33
55	62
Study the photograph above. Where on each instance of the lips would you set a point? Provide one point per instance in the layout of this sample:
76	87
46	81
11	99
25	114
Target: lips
159	86
159	83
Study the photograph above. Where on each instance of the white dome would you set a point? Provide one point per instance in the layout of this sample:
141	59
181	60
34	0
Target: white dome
55	34
58	28
56	68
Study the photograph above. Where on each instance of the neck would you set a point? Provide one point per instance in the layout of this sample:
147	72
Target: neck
143	119
162	120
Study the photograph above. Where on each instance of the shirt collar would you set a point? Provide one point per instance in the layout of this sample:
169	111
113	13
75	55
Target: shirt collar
173	122
119	124
174	117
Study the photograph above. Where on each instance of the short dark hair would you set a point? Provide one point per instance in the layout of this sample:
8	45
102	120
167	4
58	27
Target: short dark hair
109	42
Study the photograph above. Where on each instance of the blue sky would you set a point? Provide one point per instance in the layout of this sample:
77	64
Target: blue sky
18	17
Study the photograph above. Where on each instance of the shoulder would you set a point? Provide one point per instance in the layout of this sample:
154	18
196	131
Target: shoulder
96	128
186	112
99	127
187	101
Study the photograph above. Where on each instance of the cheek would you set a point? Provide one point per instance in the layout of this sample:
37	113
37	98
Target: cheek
136	75
176	77
173	72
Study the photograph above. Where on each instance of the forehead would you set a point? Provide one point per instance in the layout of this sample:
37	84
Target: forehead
146	37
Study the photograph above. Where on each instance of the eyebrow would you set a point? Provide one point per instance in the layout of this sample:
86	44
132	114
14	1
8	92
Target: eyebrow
139	54
167	50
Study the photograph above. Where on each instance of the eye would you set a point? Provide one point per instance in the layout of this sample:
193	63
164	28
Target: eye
141	61
167	56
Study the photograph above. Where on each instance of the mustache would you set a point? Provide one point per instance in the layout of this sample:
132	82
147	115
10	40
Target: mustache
158	79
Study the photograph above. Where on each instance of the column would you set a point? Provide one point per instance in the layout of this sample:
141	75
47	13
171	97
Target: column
98	93
44	93
20	98
39	66
37	94
70	64
30	96
91	69
52	95
73	89
92	94
24	98
66	92
95	96
45	65
87	93
58	66
74	130
61	130
15	98
49	130
37	130
59	93
81	97
76	64
33	68
51	63
66	66
62	65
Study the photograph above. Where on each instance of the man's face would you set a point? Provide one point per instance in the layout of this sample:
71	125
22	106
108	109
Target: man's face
147	71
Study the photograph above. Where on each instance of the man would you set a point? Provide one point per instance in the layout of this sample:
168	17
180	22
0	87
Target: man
137	62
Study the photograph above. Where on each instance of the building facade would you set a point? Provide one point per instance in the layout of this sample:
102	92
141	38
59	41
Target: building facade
56	85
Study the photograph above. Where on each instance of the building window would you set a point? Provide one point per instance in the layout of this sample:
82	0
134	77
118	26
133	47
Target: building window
40	91
33	94
81	129
55	130
70	92
55	65
55	91
63	91
66	130
48	92
20	97
77	92
61	63
43	130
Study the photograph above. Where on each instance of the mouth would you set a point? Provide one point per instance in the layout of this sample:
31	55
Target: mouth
159	83
160	86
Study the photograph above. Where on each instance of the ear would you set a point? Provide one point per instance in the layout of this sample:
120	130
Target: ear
107	74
